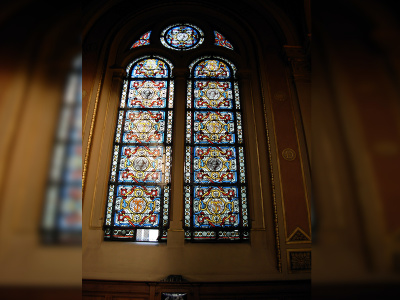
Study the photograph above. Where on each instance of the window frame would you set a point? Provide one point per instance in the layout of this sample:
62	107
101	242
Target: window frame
242	188
165	187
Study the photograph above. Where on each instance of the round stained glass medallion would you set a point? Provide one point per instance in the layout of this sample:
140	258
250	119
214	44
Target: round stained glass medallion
182	37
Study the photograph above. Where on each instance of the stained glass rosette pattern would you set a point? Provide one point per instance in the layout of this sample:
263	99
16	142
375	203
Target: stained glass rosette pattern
143	40
139	188
215	180
182	37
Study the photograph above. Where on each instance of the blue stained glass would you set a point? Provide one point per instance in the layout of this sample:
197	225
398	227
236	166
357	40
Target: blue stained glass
147	94
215	206
214	172
70	206
212	68
214	165
76	131
151	67
214	127
213	95
144	126
143	40
73	168
182	37
141	164
142	154
137	205
220	40
62	215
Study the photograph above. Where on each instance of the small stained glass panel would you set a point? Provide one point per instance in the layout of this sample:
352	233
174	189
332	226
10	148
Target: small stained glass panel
214	127
143	40
141	164
144	126
229	235
215	206
147	94
137	206
220	40
204	235
182	37
212	68
151	67
70	208
214	165
73	168
213	95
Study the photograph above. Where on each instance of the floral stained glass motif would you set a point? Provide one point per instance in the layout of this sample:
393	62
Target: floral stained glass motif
182	37
138	206
143	40
213	95
216	206
215	181
220	40
138	197
214	127
147	126
147	94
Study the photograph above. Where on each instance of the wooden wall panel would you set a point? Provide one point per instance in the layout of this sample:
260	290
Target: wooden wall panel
118	290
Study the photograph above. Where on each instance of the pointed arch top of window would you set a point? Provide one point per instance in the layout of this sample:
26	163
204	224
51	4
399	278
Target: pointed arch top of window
150	66
220	40
143	40
212	67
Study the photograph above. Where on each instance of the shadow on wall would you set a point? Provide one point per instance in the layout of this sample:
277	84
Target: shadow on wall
356	149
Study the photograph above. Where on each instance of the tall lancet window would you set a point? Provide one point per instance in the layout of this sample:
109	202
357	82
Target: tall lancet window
140	176
215	181
62	211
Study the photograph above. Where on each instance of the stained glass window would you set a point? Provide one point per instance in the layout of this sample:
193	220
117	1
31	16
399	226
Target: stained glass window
220	40
140	176
143	40
215	177
62	214
182	37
